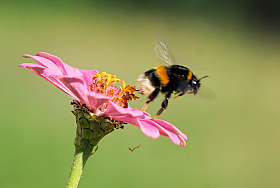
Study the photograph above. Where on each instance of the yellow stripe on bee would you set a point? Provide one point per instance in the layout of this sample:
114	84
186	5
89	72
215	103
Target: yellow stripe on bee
162	74
189	75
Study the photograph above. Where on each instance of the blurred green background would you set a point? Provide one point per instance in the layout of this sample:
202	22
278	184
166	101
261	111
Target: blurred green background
232	125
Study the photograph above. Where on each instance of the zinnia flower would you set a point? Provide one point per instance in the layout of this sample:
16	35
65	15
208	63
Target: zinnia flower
97	94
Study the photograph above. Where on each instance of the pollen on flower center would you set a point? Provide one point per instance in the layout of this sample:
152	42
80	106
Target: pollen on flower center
104	84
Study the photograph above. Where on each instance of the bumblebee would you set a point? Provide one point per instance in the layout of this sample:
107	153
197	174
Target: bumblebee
166	79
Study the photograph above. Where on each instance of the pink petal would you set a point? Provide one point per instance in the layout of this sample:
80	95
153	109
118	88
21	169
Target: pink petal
56	60
57	67
70	80
145	127
31	65
37	69
115	110
182	141
41	71
148	129
76	87
45	63
153	129
95	100
86	75
165	132
170	127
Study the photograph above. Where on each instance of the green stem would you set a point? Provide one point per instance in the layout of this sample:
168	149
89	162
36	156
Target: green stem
76	171
80	158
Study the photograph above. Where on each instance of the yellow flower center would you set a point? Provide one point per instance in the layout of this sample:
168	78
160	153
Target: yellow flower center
103	84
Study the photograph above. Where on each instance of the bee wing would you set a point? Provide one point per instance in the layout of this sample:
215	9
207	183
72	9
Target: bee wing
162	51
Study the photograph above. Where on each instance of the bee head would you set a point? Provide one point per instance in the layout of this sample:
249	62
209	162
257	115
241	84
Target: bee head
196	84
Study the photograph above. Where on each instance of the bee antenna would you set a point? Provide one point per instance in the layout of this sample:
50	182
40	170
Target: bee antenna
203	77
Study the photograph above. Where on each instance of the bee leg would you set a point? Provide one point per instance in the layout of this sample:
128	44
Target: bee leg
151	97
145	106
181	94
163	104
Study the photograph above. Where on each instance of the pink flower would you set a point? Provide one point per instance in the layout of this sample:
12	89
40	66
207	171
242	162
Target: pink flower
100	96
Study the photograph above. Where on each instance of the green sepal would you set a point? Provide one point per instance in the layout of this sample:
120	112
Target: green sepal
90	128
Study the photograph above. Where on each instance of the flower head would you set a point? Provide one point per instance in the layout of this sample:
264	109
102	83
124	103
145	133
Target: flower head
99	95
